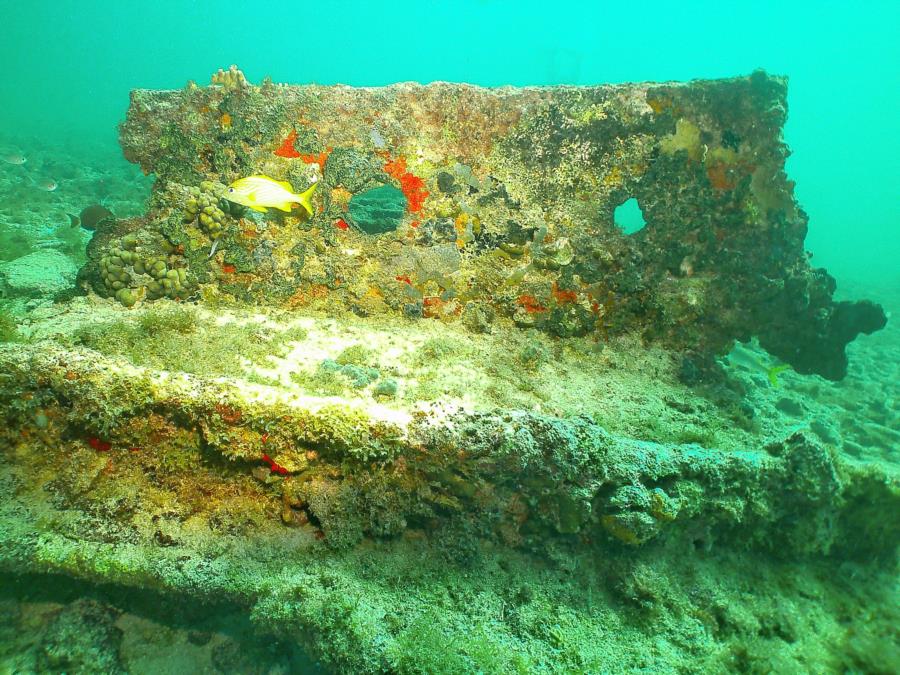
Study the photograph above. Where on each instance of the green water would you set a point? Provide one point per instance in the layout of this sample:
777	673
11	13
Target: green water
67	70
68	67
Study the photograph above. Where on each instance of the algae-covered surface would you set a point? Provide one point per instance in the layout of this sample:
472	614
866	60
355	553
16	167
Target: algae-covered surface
453	433
458	572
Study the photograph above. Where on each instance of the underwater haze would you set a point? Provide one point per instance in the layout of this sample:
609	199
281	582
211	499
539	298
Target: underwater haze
484	336
69	65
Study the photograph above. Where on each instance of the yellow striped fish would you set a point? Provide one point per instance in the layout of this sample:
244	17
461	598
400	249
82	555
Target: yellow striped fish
261	192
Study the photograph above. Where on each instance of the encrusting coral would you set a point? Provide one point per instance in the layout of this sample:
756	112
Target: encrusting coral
232	79
530	211
130	275
440	420
204	206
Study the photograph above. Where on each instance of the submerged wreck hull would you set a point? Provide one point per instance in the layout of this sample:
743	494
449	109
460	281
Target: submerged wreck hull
454	200
479	529
445	423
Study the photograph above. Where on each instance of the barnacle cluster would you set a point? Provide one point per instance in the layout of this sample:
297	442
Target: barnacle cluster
131	275
638	513
232	79
203	205
554	255
550	255
433	272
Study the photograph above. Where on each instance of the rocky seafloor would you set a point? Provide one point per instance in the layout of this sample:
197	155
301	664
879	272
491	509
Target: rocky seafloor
217	486
113	565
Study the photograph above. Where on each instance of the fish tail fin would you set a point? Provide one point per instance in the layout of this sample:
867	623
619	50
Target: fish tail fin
306	198
774	371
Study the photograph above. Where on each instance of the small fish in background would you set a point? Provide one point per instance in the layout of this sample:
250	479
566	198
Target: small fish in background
743	356
772	373
14	158
45	184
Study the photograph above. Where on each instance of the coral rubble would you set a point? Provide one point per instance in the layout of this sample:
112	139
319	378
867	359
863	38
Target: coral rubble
37	274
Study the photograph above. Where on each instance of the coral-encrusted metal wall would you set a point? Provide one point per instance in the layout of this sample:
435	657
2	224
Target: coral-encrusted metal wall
452	202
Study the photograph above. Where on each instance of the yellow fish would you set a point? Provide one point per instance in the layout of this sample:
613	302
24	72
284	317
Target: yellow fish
262	192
